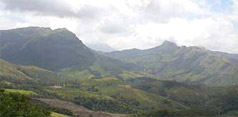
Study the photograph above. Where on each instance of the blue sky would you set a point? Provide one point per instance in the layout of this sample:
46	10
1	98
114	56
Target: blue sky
221	6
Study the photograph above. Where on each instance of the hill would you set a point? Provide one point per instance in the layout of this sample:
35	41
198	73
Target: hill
192	64
57	50
135	96
19	105
98	94
43	47
12	75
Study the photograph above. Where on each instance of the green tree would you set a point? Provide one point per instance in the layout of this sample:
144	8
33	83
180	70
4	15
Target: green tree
19	105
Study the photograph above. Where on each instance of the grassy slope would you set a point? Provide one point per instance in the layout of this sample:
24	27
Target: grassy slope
14	74
183	64
54	114
104	67
10	71
139	95
24	92
117	91
218	100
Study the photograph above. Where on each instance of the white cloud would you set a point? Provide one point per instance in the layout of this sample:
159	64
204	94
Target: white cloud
210	32
129	23
44	7
235	5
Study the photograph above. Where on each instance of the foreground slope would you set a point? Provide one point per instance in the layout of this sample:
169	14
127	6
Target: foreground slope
193	64
11	106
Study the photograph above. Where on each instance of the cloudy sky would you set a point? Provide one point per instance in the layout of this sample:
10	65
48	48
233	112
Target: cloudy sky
125	24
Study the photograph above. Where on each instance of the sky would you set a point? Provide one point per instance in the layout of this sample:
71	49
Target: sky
125	24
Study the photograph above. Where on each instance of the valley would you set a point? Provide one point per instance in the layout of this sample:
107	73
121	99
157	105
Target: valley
59	74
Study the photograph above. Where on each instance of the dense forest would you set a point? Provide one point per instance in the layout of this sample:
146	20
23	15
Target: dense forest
19	105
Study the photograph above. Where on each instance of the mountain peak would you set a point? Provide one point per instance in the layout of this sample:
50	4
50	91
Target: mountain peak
46	48
62	29
169	43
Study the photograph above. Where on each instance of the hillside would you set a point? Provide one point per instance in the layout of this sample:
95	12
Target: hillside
57	50
11	105
98	94
215	100
11	74
43	47
191	64
134	96
55	65
60	50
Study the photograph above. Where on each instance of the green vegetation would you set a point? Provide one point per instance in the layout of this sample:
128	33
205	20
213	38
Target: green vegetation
23	92
133	82
191	64
103	67
39	103
11	75
113	95
19	105
133	93
172	112
214	100
43	47
54	114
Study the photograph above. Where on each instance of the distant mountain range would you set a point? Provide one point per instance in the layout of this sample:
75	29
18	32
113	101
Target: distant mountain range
61	50
100	47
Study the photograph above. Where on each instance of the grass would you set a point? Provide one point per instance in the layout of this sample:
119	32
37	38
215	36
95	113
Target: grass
6	83
24	92
115	88
54	114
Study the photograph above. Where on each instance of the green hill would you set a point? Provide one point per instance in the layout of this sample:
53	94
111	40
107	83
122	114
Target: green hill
11	74
55	65
57	50
192	64
142	96
43	47
216	100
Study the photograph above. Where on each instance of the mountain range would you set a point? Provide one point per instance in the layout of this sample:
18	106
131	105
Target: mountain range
61	50
184	64
167	79
100	47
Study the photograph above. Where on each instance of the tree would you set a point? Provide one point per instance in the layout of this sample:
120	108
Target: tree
19	105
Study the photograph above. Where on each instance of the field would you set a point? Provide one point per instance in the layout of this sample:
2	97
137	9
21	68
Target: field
54	114
24	92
